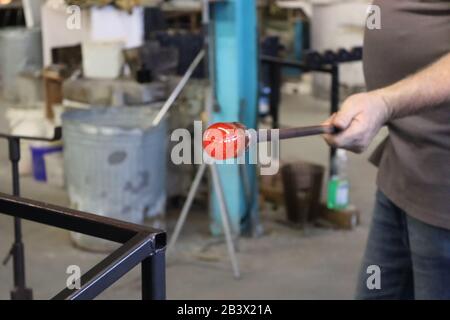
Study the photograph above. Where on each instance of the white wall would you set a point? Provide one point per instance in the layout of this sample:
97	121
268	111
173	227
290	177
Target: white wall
54	28
339	24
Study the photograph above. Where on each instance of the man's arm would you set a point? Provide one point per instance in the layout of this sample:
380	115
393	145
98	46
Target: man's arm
363	115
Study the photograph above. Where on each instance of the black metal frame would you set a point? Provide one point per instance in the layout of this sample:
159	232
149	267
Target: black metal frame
17	251
140	245
275	67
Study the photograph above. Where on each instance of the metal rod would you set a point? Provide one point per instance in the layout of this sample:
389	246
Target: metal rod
154	277
186	207
20	291
290	133
275	96
57	135
225	219
335	97
294	64
76	221
179	88
17	251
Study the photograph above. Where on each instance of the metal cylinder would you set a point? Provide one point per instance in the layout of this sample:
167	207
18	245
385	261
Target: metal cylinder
20	48
115	164
338	24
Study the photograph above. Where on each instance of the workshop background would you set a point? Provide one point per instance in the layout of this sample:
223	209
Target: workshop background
104	72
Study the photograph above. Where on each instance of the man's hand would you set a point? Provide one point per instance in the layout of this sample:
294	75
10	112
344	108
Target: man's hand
361	117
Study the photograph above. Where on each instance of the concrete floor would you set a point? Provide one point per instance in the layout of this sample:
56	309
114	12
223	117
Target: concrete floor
283	264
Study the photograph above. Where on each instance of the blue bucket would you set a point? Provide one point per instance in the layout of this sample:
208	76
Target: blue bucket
38	156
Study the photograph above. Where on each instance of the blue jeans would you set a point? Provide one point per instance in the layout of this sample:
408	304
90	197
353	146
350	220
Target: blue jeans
412	257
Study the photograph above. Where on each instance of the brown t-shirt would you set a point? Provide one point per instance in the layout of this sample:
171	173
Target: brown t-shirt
414	161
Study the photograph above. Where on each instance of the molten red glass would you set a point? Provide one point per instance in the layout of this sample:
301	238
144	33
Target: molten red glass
223	141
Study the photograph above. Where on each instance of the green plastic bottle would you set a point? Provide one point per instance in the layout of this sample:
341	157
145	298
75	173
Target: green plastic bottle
338	185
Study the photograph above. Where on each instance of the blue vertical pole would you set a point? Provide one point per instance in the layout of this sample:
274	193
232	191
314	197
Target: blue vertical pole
235	32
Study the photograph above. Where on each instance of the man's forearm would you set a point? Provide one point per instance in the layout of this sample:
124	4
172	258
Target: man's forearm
426	89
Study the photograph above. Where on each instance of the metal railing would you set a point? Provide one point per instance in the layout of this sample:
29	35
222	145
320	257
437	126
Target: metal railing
141	245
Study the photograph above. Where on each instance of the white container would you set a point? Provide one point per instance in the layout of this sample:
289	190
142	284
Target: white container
108	23
54	168
102	60
20	48
29	123
335	25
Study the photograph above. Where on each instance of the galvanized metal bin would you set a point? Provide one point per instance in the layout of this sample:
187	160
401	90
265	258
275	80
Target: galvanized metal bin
20	48
115	165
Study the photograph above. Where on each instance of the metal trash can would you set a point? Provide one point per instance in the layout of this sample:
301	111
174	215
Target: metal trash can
302	183
20	48
115	164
